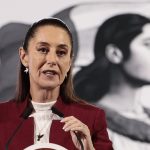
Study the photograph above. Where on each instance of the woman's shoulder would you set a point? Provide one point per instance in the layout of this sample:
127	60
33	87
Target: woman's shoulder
87	107
6	103
90	114
11	110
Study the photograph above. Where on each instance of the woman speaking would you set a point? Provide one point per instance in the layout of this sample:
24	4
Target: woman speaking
45	108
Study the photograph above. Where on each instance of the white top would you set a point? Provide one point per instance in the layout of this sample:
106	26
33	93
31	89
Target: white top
43	117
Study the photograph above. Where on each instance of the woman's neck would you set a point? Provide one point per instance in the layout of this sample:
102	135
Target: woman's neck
44	95
121	95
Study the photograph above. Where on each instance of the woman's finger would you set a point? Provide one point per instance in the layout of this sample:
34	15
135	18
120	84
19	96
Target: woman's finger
69	123
66	119
72	127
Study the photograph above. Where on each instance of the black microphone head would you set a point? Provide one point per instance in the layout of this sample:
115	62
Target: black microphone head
57	112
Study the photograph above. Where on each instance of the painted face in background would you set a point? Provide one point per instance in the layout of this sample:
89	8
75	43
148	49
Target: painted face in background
138	64
49	57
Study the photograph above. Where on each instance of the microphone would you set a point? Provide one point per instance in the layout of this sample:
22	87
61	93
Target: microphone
60	114
57	112
24	115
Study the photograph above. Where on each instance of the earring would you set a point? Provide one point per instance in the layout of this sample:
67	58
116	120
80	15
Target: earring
26	70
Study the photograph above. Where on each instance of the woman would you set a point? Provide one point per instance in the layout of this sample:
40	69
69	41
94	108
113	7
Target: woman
45	95
121	67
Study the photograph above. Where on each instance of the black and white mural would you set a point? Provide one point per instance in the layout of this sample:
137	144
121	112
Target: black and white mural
111	65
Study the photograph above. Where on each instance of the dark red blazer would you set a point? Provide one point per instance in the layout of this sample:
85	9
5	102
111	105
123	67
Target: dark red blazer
10	117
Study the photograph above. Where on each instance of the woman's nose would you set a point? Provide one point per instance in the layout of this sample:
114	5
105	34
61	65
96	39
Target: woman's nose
51	59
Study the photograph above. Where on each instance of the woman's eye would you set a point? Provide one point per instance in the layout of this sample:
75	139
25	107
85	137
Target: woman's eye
43	50
61	53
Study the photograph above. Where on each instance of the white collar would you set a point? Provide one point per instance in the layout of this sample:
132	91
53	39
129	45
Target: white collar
42	106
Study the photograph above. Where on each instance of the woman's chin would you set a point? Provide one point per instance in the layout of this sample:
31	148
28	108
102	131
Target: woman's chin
50	86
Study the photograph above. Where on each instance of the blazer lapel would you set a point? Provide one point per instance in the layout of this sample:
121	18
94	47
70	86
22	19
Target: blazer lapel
57	134
25	134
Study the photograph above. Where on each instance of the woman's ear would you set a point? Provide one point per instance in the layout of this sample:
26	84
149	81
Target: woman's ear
113	54
23	56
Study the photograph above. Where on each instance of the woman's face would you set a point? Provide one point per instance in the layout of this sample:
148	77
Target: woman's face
138	64
48	57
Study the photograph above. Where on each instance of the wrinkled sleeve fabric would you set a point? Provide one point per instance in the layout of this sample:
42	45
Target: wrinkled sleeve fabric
100	137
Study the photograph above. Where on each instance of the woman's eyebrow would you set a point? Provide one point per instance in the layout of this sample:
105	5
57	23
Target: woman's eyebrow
43	43
63	46
47	44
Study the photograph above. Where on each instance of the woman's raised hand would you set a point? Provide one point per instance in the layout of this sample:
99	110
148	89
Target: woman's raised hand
76	127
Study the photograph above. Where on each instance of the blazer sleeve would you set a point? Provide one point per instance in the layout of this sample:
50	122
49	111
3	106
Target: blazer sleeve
100	137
